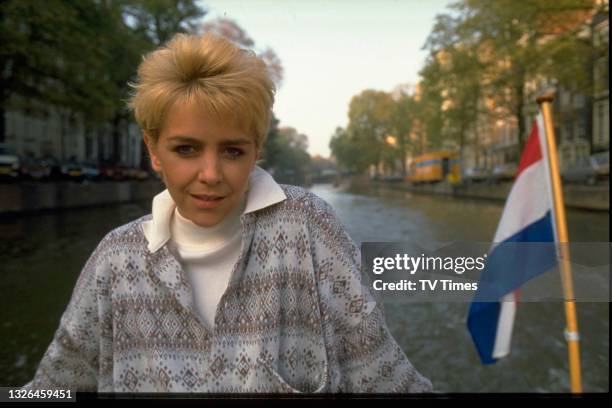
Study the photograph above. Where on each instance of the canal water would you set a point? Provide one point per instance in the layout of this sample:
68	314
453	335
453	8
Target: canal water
41	256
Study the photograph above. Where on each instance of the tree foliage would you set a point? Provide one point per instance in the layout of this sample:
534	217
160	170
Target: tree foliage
503	45
379	130
229	29
452	91
45	64
402	122
482	56
77	58
285	154
369	123
347	152
159	20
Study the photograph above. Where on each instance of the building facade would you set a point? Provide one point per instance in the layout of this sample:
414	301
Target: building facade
601	78
62	136
581	118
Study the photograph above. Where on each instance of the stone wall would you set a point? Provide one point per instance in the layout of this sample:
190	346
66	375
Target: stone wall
20	197
596	198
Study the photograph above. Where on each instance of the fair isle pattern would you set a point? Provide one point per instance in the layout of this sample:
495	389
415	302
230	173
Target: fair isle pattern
294	318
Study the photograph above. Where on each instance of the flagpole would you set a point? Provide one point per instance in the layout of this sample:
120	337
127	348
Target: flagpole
571	332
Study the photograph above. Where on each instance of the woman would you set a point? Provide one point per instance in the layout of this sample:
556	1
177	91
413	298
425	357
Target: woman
233	283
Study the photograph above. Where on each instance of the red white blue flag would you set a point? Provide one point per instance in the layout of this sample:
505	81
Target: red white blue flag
527	217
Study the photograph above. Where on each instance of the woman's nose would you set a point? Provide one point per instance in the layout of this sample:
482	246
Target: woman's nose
210	170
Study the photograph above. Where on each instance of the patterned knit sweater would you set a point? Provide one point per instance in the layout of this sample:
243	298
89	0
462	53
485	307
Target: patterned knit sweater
294	318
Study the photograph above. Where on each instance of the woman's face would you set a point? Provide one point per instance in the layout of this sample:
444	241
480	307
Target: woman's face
204	163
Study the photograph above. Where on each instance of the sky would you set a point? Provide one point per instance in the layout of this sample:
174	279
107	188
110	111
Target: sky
332	50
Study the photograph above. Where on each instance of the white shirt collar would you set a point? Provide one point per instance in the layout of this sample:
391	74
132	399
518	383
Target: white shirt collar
263	192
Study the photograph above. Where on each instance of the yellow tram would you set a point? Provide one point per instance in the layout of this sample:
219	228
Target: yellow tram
435	166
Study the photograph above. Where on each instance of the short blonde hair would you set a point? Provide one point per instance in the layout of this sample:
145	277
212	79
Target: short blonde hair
230	83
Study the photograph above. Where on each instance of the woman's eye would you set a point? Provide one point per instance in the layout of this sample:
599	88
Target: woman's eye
184	150
233	152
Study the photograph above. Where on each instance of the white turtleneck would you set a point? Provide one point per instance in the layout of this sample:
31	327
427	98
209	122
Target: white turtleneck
208	255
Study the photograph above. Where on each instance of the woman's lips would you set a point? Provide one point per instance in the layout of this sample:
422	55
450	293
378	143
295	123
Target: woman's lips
207	201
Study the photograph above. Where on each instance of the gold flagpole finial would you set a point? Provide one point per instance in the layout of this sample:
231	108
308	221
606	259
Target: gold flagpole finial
546	96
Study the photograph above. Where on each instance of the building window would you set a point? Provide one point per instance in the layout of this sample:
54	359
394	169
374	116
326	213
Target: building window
567	130
582	148
600	124
601	128
580	128
601	75
566	155
578	101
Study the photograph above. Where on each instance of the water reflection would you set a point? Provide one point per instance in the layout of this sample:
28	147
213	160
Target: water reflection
434	335
41	256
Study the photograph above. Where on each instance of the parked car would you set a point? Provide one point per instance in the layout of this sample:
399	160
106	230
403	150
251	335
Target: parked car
109	171
34	169
53	165
588	169
475	174
71	170
9	162
601	163
90	171
504	172
136	174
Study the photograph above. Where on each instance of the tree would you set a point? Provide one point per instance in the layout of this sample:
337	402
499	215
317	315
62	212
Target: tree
404	116
159	20
229	29
464	90
428	131
277	148
124	48
346	152
517	42
224	27
455	74
285	154
275	66
46	64
369	124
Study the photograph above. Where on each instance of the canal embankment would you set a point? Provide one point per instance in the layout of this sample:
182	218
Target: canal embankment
39	196
583	197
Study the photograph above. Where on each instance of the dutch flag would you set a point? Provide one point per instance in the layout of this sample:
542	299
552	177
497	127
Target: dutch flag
527	217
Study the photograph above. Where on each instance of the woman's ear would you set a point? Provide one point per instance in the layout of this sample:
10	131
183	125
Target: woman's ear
152	149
